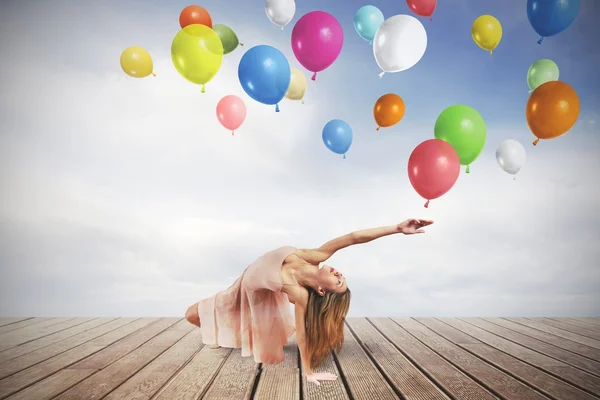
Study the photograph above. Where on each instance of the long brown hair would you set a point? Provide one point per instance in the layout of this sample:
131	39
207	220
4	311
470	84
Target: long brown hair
325	317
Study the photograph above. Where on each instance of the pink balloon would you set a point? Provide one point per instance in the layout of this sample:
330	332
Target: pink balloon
317	40
231	112
433	168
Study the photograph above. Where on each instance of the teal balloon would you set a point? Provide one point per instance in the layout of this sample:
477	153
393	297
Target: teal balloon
464	128
367	20
540	72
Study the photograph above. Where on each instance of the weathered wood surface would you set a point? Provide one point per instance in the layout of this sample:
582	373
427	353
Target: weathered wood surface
382	358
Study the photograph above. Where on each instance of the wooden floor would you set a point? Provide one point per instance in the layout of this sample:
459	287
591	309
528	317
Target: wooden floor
383	358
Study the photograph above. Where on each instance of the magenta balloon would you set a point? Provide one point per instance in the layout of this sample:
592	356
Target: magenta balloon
317	40
433	168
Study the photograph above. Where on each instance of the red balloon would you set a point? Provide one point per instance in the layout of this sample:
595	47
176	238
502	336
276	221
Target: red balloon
424	8
433	168
194	15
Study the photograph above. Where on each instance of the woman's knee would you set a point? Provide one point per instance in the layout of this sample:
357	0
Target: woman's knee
191	315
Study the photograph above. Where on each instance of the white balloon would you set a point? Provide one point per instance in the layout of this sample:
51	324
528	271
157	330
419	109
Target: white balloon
399	43
280	12
511	156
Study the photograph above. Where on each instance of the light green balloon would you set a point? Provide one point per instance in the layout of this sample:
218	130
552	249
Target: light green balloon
540	72
464	128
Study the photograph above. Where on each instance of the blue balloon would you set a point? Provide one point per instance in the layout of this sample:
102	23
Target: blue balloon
337	136
551	17
265	74
367	20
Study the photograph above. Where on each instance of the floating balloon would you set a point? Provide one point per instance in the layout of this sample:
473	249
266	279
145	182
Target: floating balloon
551	17
137	62
367	20
297	86
231	112
388	110
552	110
433	168
487	32
197	53
540	72
317	40
399	43
424	8
280	12
265	74
337	136
228	38
194	15
464	129
511	156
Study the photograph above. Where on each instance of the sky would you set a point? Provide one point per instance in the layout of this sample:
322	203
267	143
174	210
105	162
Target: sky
126	197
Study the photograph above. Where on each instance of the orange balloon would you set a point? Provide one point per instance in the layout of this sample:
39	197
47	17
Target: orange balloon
552	109
194	15
388	111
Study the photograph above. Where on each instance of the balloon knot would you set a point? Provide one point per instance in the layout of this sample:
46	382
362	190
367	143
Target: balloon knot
232	133
276	107
530	91
370	43
468	170
491	52
430	18
302	101
203	89
344	156
282	28
514	177
153	74
241	44
381	74
314	77
535	142
427	204
377	128
541	39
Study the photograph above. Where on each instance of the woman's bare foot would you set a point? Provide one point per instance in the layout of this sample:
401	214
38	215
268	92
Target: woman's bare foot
213	346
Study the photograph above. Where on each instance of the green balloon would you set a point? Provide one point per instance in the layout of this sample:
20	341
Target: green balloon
464	129
228	37
540	72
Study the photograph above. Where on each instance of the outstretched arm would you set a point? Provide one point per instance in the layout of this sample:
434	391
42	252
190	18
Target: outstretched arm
408	227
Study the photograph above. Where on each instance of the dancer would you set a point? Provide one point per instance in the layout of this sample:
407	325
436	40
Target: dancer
254	313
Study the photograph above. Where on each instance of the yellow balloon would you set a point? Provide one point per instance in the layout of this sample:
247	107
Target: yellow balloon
297	86
487	32
197	53
136	62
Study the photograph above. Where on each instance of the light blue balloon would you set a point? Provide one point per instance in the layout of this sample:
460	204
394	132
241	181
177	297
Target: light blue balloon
337	136
367	20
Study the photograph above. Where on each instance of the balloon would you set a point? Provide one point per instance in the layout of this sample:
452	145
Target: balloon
194	15
265	74
228	38
231	112
486	32
197	53
540	72
464	129
280	12
367	20
511	156
433	168
399	43
551	17
337	136
317	40
424	8
552	109
297	86
137	62
388	110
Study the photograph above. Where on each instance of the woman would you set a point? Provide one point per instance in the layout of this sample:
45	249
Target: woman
254	314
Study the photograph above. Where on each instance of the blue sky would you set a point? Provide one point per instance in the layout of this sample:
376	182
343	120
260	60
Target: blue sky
126	197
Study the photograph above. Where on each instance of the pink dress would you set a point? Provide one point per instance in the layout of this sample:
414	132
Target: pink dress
252	314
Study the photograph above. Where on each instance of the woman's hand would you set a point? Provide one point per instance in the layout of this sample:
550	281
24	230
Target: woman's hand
315	377
412	226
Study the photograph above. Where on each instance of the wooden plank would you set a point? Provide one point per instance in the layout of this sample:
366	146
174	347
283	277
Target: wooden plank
557	368
281	381
364	380
51	345
573	347
575	360
545	383
193	380
493	379
148	381
581	322
136	330
453	381
557	332
235	379
405	377
570	328
326	390
8	320
21	324
27	334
